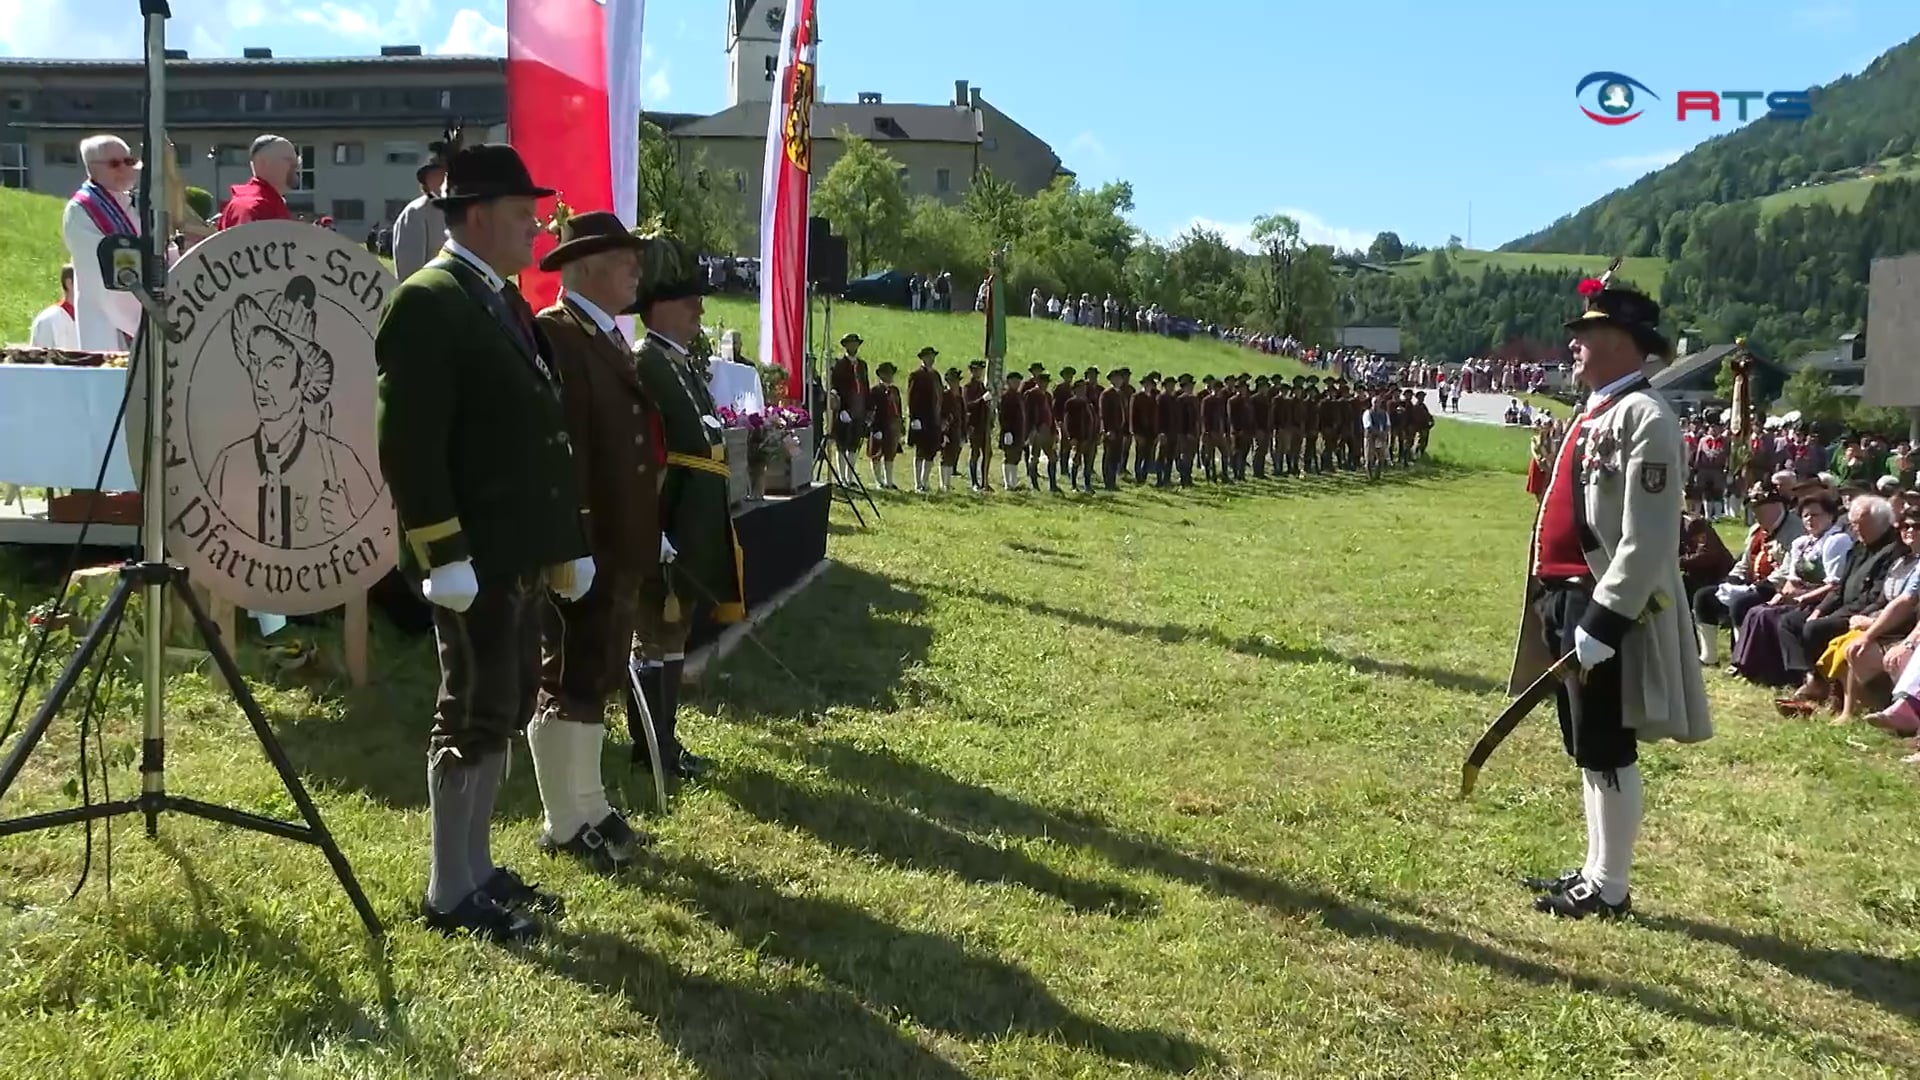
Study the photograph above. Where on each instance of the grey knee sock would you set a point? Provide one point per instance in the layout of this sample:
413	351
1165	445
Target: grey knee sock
450	792
487	773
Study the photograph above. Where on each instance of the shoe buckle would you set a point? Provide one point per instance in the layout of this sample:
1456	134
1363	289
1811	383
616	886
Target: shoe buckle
591	837
1582	890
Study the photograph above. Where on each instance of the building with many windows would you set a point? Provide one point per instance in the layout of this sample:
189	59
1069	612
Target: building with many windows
361	124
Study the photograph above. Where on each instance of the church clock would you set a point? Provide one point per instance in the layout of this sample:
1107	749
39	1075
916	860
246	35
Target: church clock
776	17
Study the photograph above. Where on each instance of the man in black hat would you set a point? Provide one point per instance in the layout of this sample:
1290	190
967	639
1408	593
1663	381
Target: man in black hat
619	461
883	445
1042	431
1062	394
700	564
923	418
1143	422
473	442
1604	584
850	380
1113	427
953	428
979	407
421	228
1013	432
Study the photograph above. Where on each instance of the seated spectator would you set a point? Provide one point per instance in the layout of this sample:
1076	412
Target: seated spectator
1725	603
1814	561
1860	589
1878	646
1704	558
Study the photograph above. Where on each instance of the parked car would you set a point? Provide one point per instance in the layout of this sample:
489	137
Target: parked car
887	287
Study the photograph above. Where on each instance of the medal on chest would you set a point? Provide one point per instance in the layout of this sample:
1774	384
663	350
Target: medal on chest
1600	453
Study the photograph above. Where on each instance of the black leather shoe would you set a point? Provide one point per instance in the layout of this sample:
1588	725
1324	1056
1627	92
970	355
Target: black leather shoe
1552	885
691	766
479	915
606	848
1580	900
511	890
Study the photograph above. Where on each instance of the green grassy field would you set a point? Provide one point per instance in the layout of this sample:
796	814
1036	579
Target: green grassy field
1645	272
1156	784
30	259
1846	196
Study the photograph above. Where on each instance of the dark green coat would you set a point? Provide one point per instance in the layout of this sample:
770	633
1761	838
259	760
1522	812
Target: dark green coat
694	510
473	438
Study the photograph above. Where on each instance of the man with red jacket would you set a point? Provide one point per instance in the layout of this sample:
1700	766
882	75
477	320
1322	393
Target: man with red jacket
275	165
1013	432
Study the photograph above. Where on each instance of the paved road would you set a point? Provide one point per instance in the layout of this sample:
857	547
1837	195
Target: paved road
1478	408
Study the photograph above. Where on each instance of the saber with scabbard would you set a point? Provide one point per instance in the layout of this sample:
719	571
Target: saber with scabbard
653	740
1563	669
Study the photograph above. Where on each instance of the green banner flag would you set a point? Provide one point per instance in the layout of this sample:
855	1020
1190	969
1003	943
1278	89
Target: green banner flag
996	350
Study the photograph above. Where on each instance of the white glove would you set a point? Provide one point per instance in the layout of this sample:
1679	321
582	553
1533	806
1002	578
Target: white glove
579	578
667	551
452	586
1590	651
845	418
1006	439
914	426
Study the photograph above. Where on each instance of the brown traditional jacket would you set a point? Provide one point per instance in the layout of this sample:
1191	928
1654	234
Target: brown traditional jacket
1145	414
850	385
923	398
1113	412
619	455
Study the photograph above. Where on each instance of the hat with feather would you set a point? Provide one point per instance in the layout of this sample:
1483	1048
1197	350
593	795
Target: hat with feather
1626	309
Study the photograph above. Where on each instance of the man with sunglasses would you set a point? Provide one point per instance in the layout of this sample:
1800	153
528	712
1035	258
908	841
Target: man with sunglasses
107	320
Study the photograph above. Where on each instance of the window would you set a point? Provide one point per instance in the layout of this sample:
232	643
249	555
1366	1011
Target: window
183	154
301	206
230	155
403	153
349	210
446	100
990	144
16	101
305	181
394	206
943	179
13	165
63	153
349	153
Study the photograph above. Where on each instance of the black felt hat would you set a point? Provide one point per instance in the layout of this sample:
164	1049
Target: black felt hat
590	234
487	171
885	368
1628	309
851	338
926	351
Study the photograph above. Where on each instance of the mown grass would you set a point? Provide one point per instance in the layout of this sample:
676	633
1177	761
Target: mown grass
1645	272
1154	784
30	258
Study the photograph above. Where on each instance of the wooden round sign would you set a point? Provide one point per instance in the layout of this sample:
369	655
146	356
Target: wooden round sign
274	498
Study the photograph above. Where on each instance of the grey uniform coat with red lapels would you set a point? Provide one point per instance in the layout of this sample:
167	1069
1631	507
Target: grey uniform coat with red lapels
1630	464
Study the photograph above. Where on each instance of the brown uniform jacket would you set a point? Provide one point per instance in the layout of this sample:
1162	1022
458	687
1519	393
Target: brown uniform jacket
979	410
1039	408
1013	415
1145	415
1240	413
923	398
1113	412
619	454
1213	413
1170	415
1078	417
850	385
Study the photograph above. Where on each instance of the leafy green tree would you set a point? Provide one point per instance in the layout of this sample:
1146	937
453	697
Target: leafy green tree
995	208
702	209
200	201
1386	248
1204	272
865	198
1809	391
940	237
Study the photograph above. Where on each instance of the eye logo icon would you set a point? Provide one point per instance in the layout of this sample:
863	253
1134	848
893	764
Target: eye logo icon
1614	94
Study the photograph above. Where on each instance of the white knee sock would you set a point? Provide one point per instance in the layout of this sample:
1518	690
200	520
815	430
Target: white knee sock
1708	638
879	478
554	769
1620	810
588	789
1590	804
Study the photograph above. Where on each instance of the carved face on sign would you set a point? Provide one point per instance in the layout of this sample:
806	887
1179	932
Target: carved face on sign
273	493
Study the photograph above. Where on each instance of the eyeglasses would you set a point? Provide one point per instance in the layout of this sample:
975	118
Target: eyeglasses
120	162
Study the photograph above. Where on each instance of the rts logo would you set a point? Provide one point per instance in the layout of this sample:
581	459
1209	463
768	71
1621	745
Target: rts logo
1615	95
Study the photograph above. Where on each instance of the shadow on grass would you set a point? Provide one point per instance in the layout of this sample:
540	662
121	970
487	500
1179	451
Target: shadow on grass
1891	983
961	805
737	1032
924	977
895	832
877	637
1175	634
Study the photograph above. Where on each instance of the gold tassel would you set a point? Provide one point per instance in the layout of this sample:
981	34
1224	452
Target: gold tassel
671	612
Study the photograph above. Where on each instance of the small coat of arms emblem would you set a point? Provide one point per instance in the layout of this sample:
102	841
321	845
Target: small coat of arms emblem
1653	478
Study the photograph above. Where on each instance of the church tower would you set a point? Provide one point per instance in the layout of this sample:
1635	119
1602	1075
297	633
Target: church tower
753	48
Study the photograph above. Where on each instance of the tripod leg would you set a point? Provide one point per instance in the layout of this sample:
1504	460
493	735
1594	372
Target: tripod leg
230	670
110	616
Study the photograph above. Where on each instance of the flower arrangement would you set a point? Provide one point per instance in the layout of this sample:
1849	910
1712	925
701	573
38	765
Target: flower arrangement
766	431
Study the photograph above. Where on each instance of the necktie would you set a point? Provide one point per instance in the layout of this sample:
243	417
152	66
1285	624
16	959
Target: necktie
521	311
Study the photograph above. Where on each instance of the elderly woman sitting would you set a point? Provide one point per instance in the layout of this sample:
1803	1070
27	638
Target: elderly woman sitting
1876	644
1860	590
1804	578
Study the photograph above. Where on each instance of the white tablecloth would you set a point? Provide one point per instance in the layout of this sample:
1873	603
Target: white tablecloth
736	386
55	423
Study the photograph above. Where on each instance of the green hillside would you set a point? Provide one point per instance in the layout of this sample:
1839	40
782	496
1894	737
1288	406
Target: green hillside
1646	272
1847	195
31	254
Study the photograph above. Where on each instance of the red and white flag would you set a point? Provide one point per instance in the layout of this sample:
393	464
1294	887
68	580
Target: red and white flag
573	109
783	203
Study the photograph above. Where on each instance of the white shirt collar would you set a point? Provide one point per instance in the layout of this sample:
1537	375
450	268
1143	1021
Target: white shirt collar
600	318
671	344
1612	388
459	251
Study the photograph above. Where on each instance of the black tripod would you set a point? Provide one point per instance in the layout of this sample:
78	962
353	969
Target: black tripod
823	460
153	574
157	578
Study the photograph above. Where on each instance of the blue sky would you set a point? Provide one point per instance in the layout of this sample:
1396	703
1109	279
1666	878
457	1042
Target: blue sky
1353	117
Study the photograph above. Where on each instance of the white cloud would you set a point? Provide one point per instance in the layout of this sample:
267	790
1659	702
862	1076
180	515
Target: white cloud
1642	163
1087	144
472	35
344	21
1313	229
657	88
1829	15
209	28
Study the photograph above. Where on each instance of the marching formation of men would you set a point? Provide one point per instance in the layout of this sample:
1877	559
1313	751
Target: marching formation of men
1086	427
563	497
